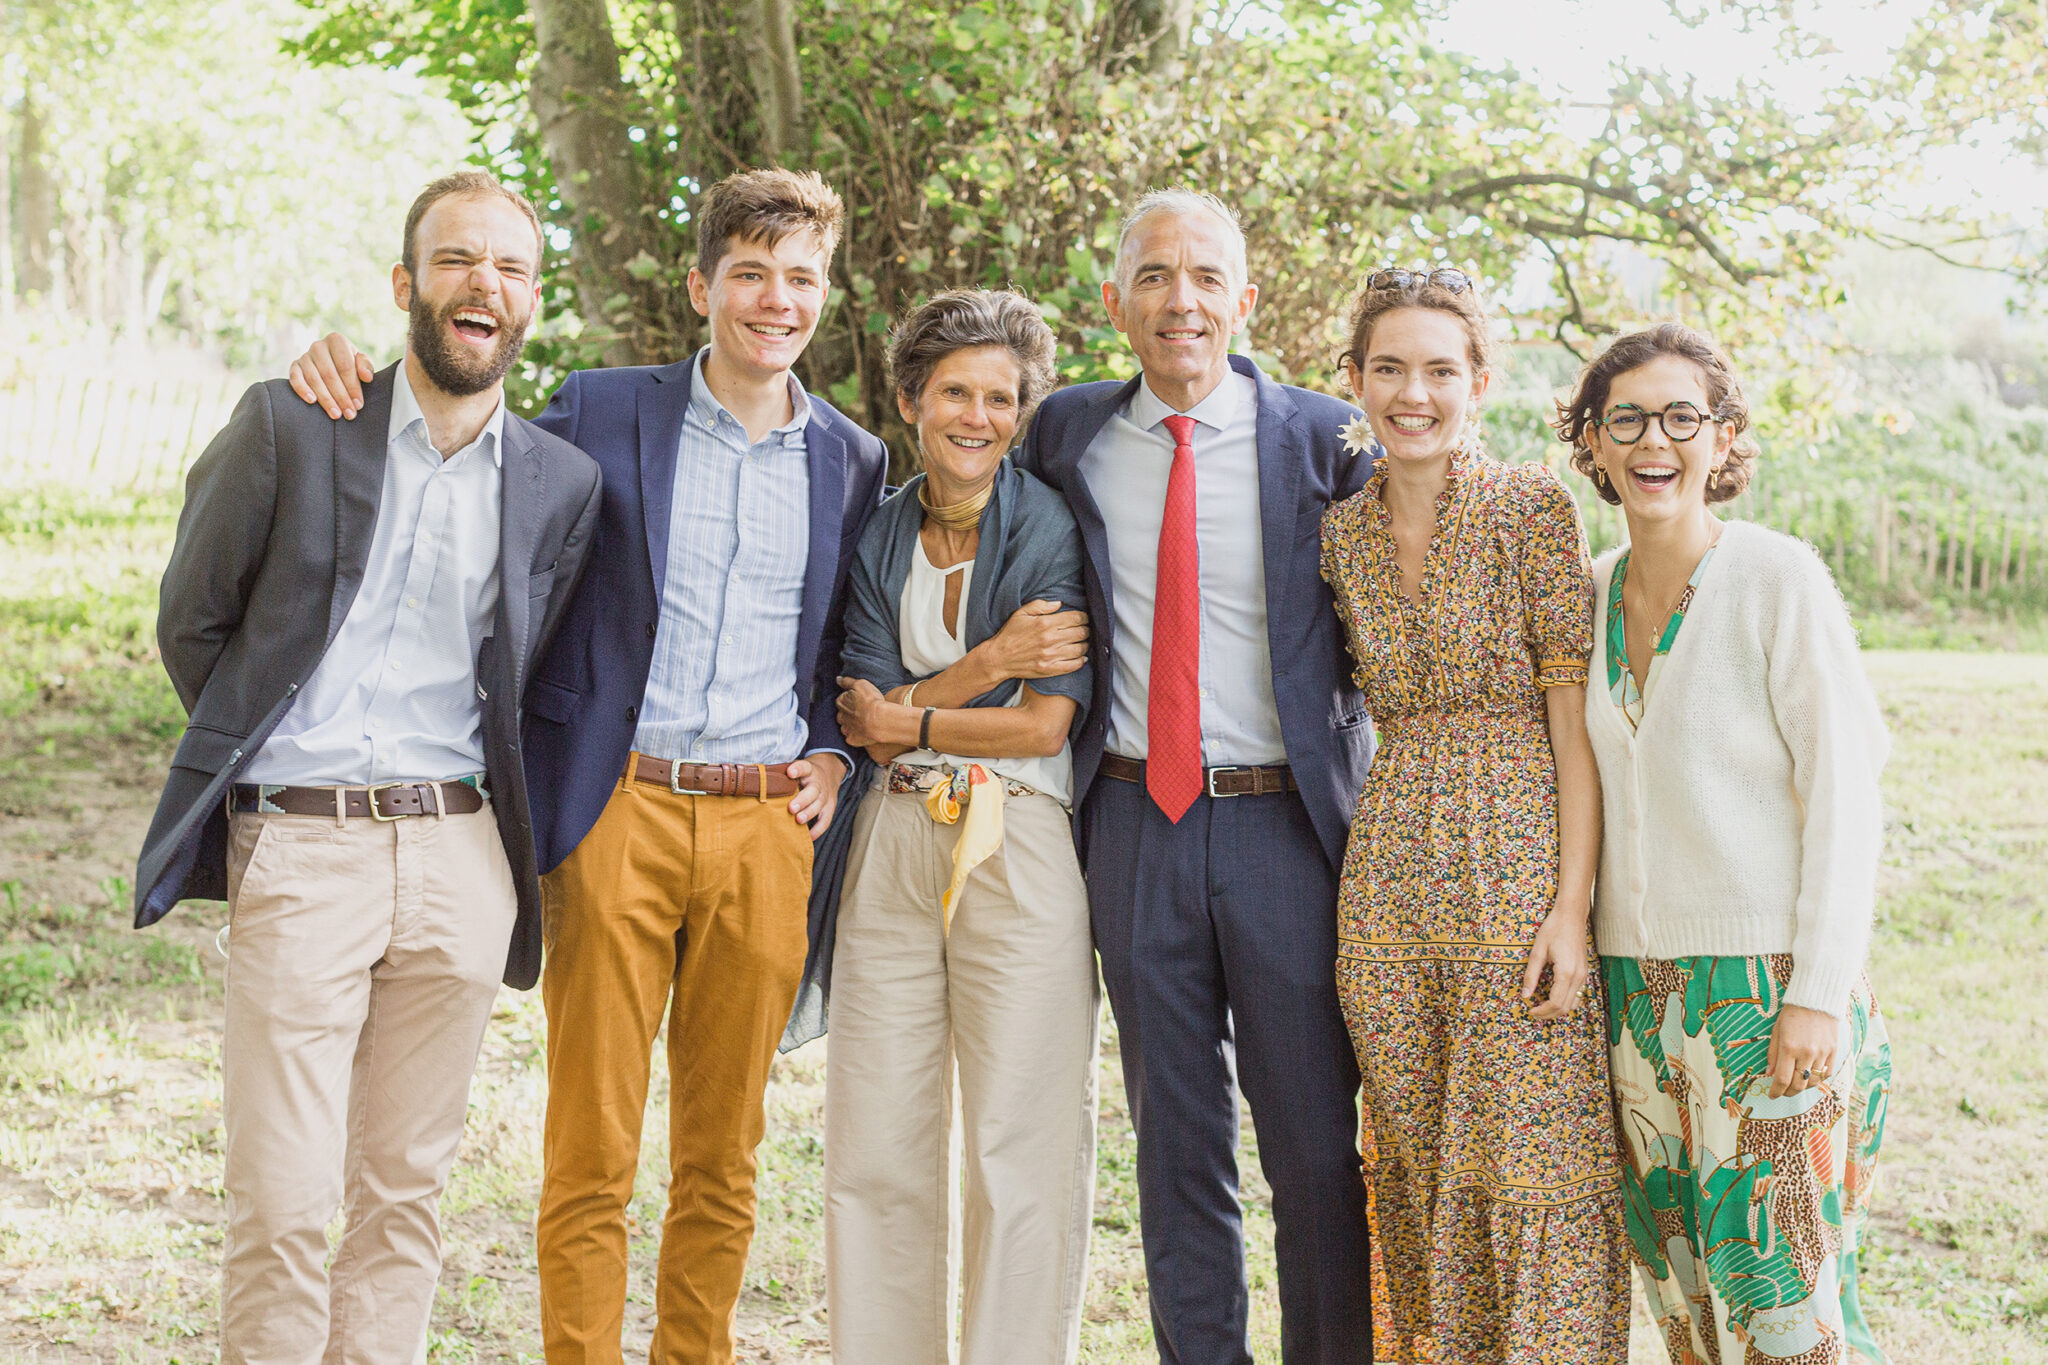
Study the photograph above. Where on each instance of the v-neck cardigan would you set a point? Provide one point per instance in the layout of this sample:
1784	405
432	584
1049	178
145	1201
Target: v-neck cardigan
1743	814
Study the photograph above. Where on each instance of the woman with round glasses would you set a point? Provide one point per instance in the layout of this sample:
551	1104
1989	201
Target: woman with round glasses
1738	746
1464	953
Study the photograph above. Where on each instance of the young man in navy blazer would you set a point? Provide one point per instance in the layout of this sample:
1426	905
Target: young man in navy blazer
683	751
1213	786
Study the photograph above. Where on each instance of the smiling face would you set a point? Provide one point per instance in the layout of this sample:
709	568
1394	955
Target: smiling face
1417	383
474	293
1658	478
1179	297
763	301
965	419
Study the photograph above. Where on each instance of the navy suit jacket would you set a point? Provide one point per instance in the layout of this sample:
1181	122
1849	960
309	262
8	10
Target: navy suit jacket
1303	468
583	704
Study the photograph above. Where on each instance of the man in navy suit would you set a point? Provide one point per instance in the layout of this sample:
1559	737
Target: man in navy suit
680	736
1214	784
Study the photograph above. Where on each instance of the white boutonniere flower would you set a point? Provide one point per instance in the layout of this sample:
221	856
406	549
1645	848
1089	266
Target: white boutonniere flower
1357	436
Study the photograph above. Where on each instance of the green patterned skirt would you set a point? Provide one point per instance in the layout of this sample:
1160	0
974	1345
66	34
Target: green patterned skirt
1744	1213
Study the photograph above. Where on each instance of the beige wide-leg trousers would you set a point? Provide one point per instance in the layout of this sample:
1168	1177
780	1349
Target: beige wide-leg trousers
1010	999
363	959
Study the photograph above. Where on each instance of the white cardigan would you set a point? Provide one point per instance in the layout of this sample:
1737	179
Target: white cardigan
1743	815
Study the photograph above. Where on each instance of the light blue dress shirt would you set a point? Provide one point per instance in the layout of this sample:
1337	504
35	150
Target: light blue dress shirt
1126	468
722	686
394	698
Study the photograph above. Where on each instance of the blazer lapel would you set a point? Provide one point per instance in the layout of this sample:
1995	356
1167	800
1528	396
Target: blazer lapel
520	497
360	449
661	408
1283	450
826	452
1063	465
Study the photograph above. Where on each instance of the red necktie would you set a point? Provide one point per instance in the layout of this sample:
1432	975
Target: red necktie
1173	720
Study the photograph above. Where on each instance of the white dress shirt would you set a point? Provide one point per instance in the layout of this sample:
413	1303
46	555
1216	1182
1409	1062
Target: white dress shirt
1126	468
394	698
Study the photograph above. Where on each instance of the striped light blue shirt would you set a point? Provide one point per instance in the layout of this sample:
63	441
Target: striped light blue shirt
722	687
394	698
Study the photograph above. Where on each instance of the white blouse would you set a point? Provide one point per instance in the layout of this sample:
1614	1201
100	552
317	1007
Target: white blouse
928	647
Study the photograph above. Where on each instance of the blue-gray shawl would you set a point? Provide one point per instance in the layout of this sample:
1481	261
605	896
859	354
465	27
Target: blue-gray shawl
1030	548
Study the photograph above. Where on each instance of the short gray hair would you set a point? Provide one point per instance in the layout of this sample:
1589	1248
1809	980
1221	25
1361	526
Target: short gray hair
965	320
1181	202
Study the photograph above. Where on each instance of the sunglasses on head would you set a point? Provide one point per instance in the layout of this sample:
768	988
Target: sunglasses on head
1446	279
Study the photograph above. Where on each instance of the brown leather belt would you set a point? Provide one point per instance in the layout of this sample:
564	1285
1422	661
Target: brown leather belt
387	801
1215	781
758	780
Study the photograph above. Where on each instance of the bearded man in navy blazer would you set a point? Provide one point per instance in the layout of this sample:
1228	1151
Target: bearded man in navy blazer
1214	785
683	750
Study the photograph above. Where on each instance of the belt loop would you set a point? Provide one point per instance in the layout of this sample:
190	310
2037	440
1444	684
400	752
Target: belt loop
440	802
761	789
341	807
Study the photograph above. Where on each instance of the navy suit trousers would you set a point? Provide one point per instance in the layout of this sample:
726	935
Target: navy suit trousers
1218	939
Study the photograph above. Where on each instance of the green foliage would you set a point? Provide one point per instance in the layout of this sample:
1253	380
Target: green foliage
204	188
980	142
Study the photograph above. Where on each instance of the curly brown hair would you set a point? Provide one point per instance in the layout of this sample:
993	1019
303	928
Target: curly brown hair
964	319
1370	305
1577	415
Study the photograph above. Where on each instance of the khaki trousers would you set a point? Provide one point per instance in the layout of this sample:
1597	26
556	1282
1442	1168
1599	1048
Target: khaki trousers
1010	1000
697	905
363	960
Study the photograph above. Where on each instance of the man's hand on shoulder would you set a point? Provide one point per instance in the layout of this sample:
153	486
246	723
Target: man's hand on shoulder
332	373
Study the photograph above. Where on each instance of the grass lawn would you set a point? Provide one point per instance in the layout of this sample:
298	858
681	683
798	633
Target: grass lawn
110	1206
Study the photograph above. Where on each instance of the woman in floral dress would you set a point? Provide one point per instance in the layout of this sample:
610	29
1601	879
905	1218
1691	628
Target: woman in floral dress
1463	948
1739	747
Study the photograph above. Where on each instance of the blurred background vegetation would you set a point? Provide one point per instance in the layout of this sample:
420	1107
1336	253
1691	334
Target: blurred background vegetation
1851	195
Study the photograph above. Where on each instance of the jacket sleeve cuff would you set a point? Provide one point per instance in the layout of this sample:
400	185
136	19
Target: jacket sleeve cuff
840	754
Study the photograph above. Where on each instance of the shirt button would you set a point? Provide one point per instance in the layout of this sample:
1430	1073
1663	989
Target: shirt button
728	639
394	665
412	601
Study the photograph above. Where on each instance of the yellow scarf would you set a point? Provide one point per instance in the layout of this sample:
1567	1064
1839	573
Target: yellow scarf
981	792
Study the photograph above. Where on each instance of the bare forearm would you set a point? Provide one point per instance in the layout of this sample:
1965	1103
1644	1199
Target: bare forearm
960	683
1036	729
1578	797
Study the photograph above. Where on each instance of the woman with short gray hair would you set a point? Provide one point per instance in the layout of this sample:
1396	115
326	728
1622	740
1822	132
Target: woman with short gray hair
963	937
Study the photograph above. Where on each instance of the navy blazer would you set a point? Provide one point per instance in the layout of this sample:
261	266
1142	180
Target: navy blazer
583	705
1303	468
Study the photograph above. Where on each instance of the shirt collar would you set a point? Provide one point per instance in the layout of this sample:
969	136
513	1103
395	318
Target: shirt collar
1217	410
405	410
705	407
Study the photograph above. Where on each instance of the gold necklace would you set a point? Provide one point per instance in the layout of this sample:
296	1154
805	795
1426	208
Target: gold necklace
956	516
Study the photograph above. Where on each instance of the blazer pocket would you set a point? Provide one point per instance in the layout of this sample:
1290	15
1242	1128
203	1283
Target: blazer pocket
542	583
551	701
206	749
1351	721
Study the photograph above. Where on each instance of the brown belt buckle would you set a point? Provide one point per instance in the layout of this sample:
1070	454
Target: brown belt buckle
675	780
1211	781
378	815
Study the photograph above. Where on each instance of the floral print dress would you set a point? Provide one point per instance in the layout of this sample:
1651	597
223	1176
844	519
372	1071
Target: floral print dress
1745	1213
1495	1178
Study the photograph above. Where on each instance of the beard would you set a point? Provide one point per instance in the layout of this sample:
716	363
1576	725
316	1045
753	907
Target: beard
453	366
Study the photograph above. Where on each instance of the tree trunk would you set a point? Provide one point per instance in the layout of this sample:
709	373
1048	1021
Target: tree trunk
767	31
579	103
